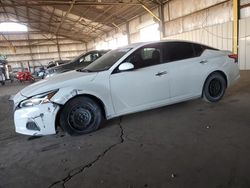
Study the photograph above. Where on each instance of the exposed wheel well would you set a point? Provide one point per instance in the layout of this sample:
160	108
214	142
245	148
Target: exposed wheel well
96	99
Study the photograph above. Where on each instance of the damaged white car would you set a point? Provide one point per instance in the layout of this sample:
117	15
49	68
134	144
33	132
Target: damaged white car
130	79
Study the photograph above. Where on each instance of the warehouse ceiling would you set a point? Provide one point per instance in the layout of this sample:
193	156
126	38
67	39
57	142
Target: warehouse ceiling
82	20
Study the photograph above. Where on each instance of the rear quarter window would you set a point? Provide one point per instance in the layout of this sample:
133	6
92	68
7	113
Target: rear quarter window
199	49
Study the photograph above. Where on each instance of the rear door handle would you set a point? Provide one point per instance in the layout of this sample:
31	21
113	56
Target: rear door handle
161	73
203	62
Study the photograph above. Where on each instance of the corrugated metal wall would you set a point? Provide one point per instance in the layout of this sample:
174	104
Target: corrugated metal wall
218	36
182	16
244	43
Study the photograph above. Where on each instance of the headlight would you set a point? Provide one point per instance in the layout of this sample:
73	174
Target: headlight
38	99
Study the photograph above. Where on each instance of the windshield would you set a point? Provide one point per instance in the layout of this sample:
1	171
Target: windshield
107	60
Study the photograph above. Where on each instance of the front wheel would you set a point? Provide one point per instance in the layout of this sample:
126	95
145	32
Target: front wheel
214	87
81	115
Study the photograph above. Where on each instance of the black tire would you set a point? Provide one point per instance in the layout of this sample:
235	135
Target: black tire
81	115
214	88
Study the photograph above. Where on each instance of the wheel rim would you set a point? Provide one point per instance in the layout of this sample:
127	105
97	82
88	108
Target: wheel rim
80	118
215	88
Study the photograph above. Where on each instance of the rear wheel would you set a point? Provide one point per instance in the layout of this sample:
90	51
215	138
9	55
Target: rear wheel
214	87
81	115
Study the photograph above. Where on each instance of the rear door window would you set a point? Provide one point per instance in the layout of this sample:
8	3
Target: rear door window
174	51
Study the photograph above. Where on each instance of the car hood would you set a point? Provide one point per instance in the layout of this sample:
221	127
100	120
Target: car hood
69	67
58	81
63	66
66	67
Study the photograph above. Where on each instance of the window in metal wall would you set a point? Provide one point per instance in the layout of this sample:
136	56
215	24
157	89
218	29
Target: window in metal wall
150	33
12	27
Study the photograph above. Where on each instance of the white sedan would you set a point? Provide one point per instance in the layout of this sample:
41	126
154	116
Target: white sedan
134	78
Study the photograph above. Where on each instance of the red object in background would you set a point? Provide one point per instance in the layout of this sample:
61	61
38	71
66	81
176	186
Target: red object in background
25	76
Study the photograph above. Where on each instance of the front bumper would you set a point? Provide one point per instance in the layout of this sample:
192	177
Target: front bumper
36	120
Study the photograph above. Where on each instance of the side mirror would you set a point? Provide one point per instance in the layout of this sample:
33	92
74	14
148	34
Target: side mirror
126	66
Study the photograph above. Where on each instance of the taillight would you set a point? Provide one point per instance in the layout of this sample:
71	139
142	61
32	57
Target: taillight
234	56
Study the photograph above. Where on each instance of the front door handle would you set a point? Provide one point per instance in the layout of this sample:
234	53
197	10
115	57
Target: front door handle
203	62
161	73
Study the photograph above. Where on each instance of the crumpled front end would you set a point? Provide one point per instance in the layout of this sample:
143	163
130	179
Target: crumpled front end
36	120
37	105
35	115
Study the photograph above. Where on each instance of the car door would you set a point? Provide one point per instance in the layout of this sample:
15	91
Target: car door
146	86
185	70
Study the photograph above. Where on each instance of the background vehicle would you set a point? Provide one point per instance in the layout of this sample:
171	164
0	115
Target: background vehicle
40	72
56	63
130	79
79	62
3	78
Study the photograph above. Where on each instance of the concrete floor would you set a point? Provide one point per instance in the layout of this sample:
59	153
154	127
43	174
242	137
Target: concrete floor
191	144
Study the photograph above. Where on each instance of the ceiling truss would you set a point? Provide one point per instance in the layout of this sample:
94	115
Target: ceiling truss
81	20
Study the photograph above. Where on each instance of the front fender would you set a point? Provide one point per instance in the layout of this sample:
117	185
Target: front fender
65	94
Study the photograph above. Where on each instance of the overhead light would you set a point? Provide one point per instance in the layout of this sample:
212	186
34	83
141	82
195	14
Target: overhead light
99	6
12	27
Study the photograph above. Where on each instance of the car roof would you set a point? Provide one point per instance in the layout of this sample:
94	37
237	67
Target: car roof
161	41
140	44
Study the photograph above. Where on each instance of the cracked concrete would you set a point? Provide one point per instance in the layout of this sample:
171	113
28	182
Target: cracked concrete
81	169
192	144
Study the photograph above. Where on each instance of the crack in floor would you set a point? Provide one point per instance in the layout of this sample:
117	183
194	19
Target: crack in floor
81	169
